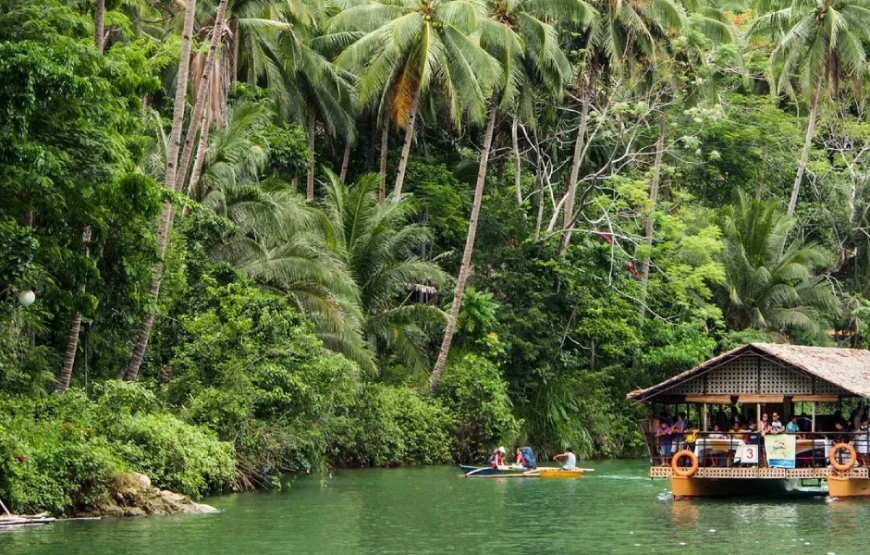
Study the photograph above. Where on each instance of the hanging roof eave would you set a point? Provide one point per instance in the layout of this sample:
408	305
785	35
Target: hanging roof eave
848	369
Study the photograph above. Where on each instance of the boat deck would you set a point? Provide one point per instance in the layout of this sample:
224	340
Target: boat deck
763	473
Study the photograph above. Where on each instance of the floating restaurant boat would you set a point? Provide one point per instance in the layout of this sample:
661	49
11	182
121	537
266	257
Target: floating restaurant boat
753	380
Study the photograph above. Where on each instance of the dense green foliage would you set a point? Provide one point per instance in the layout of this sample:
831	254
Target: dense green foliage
59	452
648	202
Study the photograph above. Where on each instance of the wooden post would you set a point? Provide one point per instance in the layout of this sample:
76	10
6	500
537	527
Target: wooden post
813	428
758	416
704	428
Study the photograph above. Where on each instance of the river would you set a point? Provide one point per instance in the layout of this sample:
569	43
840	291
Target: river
434	510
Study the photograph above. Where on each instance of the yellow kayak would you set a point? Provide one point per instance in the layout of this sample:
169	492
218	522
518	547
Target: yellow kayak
559	473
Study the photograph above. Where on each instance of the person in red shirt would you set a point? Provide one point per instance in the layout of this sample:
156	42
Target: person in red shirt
498	457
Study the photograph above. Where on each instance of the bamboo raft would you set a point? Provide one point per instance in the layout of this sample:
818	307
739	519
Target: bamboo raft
9	520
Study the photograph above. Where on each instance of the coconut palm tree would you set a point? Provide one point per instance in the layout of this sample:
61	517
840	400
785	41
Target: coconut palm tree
400	49
378	246
819	45
763	290
623	33
684	57
278	240
143	332
514	33
276	47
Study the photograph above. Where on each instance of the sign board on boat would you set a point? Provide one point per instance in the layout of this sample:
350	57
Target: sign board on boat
750	454
780	450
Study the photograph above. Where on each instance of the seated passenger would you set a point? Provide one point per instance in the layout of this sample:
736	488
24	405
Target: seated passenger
717	433
763	425
751	436
793	427
571	458
776	427
497	458
520	461
735	429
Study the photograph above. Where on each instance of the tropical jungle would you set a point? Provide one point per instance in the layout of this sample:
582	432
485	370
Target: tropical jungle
246	238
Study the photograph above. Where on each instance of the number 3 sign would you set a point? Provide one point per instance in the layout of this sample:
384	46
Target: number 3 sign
750	454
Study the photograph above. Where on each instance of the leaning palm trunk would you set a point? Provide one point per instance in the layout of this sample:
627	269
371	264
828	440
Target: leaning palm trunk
197	115
72	341
579	144
131	372
309	193
100	24
465	268
406	149
805	153
517	162
345	162
192	188
385	135
654	194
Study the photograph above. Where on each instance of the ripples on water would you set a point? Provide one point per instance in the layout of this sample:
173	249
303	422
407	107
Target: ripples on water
434	510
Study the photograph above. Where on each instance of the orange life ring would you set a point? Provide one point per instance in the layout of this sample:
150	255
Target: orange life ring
853	456
685	471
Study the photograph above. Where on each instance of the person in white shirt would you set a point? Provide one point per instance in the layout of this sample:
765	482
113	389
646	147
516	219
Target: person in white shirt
570	459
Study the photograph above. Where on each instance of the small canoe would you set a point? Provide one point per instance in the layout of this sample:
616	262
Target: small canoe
488	471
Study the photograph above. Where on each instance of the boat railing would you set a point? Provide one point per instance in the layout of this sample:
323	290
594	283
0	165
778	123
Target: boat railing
747	449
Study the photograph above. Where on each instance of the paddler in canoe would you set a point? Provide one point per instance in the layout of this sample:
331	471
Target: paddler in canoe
570	459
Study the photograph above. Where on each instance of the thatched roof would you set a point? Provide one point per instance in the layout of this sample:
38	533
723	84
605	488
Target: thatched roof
846	368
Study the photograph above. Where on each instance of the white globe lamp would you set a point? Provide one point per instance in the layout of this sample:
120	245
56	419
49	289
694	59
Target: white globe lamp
27	297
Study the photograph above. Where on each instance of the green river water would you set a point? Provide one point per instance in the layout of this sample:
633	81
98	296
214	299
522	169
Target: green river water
434	510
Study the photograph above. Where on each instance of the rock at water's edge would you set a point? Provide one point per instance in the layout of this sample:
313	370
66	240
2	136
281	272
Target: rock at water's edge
133	495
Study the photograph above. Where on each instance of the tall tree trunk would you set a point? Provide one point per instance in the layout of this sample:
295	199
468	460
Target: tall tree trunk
406	149
200	156
100	24
465	268
517	162
140	345
568	208
385	136
295	182
649	218
311	122
805	153
202	147
72	341
201	97
760	183
371	154
345	162
540	181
